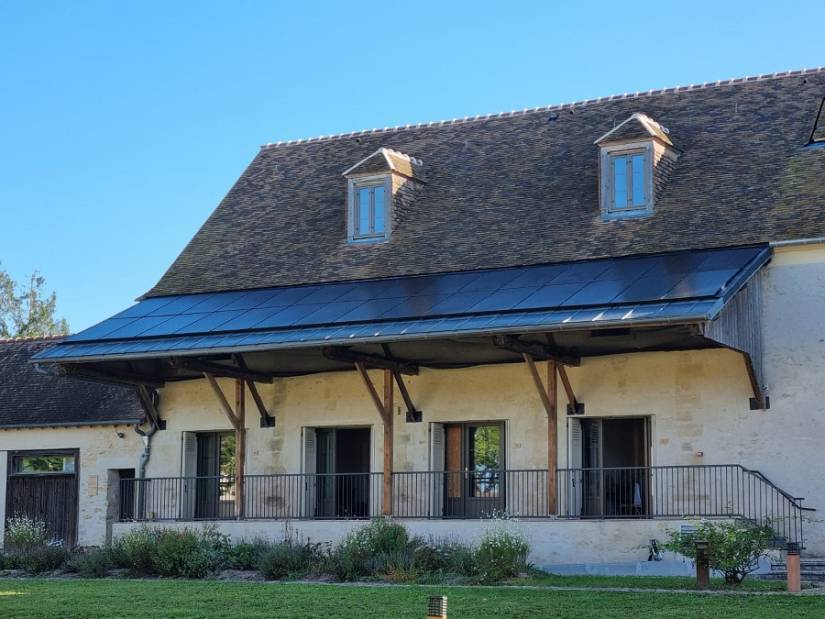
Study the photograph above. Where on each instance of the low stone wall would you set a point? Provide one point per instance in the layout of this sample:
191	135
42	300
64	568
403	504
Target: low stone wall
562	546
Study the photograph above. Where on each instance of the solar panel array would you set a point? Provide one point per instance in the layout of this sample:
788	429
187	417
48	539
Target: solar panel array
596	290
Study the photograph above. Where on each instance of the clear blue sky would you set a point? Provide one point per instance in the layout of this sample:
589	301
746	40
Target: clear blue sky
122	125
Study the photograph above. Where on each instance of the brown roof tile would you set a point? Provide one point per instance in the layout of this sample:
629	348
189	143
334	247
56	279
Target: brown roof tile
521	188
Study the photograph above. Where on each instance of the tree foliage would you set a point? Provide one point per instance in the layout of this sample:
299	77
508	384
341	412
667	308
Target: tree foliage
734	548
26	310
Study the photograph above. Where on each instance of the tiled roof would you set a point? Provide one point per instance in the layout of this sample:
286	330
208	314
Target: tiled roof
521	188
29	398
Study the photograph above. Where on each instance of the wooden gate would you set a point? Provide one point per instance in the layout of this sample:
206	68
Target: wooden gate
47	496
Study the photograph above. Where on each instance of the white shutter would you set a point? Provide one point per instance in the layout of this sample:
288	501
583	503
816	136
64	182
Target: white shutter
437	438
573	492
309	463
376	466
189	470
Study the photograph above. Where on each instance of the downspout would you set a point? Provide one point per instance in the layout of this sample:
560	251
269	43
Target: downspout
140	473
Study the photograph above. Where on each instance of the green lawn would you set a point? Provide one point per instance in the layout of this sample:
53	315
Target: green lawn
110	599
648	582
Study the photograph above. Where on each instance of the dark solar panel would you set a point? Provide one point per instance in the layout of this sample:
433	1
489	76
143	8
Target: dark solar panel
578	285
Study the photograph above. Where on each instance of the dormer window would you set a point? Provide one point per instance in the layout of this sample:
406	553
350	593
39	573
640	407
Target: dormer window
636	158
628	181
368	208
374	184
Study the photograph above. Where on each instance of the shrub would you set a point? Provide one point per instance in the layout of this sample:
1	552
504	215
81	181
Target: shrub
135	550
24	534
42	559
734	548
291	559
91	562
247	555
374	549
167	552
445	557
502	552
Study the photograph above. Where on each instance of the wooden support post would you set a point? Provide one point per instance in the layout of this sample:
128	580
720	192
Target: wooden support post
548	398
240	447
388	442
552	439
385	411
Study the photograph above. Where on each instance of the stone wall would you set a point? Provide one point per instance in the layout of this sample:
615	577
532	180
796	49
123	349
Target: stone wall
697	402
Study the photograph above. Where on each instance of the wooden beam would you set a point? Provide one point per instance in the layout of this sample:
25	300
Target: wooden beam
759	401
413	414
534	373
267	420
388	443
221	399
574	407
346	355
240	447
219	369
115	378
537	350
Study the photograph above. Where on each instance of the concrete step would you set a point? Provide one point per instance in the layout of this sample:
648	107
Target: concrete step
811	569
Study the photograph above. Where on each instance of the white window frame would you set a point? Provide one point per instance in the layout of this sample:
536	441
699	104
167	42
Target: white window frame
608	154
354	235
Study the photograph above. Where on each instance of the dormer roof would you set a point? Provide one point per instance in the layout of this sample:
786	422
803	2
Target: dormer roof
637	126
385	160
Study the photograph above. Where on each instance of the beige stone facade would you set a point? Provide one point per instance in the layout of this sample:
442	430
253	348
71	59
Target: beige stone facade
697	403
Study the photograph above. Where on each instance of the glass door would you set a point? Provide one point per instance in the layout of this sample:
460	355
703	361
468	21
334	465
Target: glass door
474	483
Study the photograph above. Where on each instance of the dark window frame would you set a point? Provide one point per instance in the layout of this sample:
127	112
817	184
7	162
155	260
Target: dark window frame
13	456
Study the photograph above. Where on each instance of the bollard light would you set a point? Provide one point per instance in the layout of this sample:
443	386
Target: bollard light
437	607
792	568
702	564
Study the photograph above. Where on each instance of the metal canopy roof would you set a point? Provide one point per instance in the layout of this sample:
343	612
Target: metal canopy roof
634	291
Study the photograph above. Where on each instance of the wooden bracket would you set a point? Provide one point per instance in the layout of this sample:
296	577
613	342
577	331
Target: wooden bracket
537	350
227	409
574	407
267	420
148	403
413	414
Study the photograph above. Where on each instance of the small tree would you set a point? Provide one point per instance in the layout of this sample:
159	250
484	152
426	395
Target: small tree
734	548
26	311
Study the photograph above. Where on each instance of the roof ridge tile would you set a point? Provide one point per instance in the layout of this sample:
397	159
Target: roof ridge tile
547	108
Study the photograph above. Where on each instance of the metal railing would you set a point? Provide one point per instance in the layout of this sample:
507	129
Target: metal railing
663	492
676	492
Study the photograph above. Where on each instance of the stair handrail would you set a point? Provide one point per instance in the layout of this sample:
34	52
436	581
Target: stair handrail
796	501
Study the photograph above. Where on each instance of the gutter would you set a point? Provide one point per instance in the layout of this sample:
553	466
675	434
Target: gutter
817	240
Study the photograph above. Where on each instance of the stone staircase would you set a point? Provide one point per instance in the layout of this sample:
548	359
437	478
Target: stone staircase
812	570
